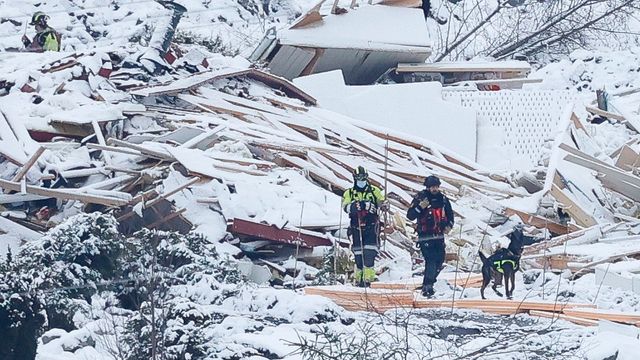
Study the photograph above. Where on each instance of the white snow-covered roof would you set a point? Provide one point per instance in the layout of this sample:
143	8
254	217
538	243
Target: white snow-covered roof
375	27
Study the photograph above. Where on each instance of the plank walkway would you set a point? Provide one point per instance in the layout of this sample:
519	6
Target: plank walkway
382	297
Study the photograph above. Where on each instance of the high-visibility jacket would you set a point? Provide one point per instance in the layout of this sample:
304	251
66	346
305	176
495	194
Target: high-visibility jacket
370	193
46	40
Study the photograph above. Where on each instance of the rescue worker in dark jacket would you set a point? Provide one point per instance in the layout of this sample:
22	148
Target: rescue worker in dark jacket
434	216
46	38
362	202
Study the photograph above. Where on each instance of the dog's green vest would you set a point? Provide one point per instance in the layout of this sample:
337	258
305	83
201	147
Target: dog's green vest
498	265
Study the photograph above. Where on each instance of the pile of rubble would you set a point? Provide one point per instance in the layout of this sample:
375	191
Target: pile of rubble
198	145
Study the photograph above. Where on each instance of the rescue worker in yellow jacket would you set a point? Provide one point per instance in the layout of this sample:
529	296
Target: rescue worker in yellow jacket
362	202
46	38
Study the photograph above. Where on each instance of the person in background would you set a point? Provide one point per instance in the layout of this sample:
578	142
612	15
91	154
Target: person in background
46	38
362	202
434	216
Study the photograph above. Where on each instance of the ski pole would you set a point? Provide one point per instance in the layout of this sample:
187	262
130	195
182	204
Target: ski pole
335	247
295	264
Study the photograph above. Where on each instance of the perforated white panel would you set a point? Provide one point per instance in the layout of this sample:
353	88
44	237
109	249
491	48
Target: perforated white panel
513	125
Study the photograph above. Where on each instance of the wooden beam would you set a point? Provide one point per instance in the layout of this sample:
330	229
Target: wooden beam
115	149
587	267
101	141
540	222
172	191
577	213
25	168
142	149
558	240
606	114
573	319
592	163
65	194
166	218
623	317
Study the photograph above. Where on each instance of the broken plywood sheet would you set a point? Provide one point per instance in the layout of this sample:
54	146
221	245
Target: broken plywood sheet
628	159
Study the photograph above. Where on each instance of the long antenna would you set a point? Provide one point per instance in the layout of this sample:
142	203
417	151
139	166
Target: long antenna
386	195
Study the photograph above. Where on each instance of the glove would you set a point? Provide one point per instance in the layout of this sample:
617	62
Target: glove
384	206
444	225
25	40
423	204
353	208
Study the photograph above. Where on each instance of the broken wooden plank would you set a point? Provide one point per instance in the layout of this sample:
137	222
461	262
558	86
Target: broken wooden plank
578	214
505	306
588	267
64	194
364	299
165	219
540	222
101	141
177	189
25	168
588	161
573	319
598	314
142	149
116	149
20	197
606	114
561	239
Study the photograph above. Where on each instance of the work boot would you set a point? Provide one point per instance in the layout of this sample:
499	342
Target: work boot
369	275
359	280
427	291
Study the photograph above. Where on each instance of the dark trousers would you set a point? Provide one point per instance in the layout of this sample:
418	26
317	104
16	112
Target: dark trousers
365	252
433	252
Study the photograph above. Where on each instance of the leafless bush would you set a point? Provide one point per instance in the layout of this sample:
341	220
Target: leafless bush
531	28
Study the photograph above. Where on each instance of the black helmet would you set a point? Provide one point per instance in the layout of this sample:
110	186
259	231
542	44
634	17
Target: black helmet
39	18
431	180
360	173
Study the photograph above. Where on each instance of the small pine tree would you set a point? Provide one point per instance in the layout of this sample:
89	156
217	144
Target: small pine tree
327	274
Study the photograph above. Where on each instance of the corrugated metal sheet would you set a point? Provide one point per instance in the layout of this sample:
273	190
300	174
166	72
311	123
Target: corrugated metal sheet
362	67
289	61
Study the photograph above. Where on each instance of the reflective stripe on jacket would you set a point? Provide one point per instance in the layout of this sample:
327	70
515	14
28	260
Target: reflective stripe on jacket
371	193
